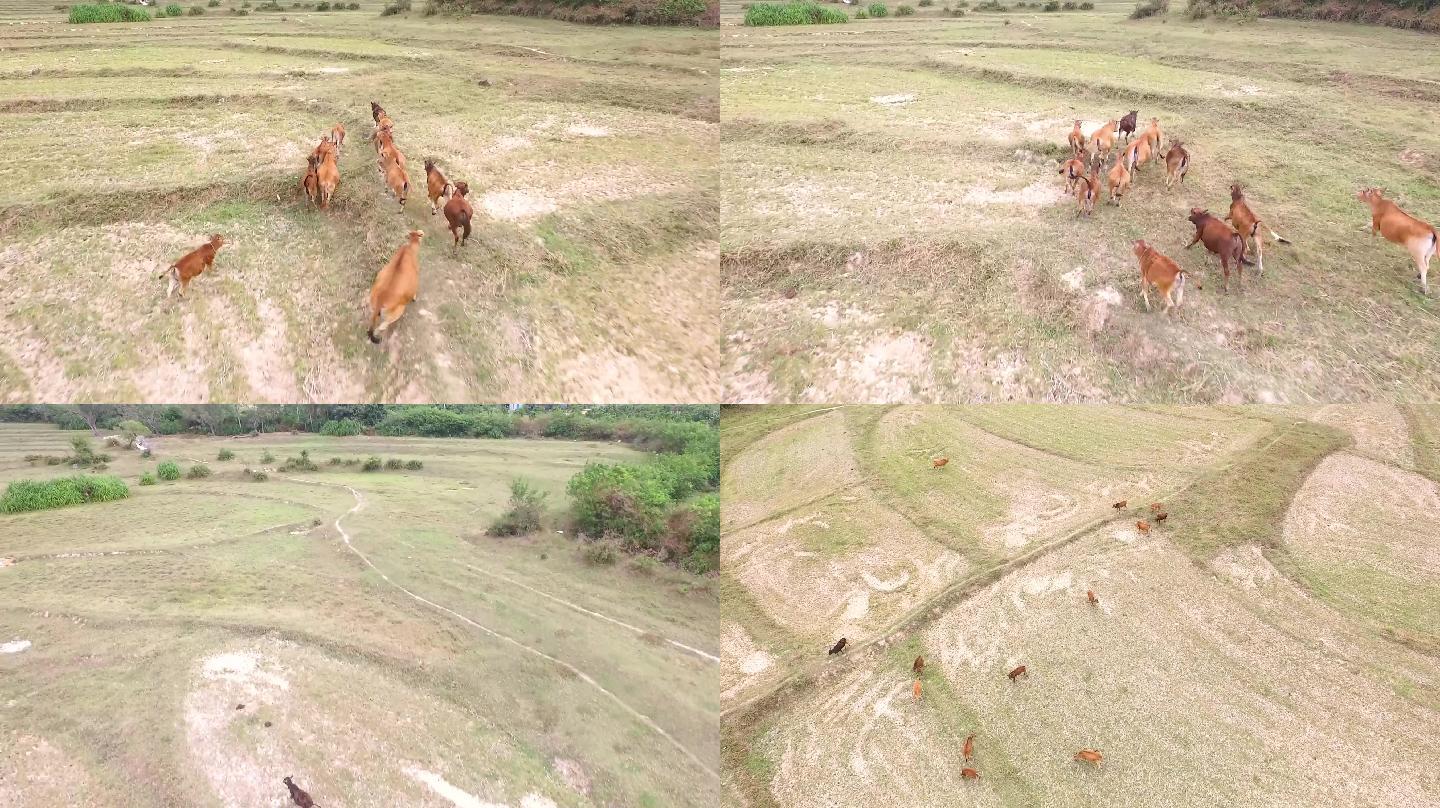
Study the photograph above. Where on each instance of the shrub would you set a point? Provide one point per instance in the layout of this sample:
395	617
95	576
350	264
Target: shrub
147	479
1149	8
199	471
106	12
344	428
1068	5
267	457
28	495
991	5
335	461
371	464
259	476
802	13
354	6
197	11
1053	5
130	431
394	464
395	8
301	463
213	3
526	512
877	10
903	10
323	6
861	15
85	456
1087	6
168	470
174	10
414	465
926	3
601	552
225	454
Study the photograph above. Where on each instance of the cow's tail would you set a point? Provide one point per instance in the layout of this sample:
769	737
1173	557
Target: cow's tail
1279	239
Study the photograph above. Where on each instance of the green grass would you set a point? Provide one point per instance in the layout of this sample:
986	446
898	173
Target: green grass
949	302
792	14
107	12
153	585
1245	502
31	495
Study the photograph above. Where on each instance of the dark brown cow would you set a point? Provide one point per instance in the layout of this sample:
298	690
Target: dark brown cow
1222	240
299	796
458	214
919	666
1017	673
838	647
1127	124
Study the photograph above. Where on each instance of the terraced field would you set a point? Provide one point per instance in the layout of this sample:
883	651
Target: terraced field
1278	627
588	152
197	642
895	229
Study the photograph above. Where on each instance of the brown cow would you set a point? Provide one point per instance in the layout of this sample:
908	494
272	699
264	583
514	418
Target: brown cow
838	647
1143	527
1137	153
1090	596
298	795
969	774
969	750
1223	241
1153	134
1162	516
191	264
1156	507
1118	181
311	183
1087	192
395	286
1077	139
1417	237
938	462
1090	756
397	181
919	666
1018	672
1127	124
1161	272
917	688
328	175
1177	163
376	111
459	213
337	135
1248	225
436	186
1120	506
1074	170
1104	138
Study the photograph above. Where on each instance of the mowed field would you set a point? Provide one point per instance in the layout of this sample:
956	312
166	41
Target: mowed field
895	228
199	641
589	153
1274	642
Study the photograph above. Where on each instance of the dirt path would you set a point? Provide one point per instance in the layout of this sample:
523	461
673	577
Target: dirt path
584	677
696	651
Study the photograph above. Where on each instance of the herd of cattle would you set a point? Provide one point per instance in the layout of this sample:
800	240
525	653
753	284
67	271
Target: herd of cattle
398	282
1228	242
1094	757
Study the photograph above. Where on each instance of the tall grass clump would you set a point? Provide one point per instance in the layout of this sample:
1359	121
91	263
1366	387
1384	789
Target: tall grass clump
30	495
526	512
1149	8
106	12
877	10
168	470
343	428
792	14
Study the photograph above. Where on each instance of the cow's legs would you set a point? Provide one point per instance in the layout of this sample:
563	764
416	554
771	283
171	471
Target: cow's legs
391	315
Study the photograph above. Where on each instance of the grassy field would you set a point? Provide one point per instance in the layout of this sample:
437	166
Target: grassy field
895	229
589	153
385	651
1280	623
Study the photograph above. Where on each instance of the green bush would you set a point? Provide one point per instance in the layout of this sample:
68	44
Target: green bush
1052	5
29	495
394	464
173	10
371	464
1149	8
861	15
267	457
600	552
301	463
674	12
213	3
323	6
259	476
344	428
395	8
877	10
106	12
199	471
197	11
904	10
926	3
147	479
803	13
526	512
414	465
168	470
130	431
354	6
1087	6
225	454
335	461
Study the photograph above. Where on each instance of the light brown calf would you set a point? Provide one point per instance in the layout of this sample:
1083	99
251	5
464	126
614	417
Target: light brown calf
1118	181
969	774
1137	153
397	181
1090	756
1077	139
1152	133
1104	138
311	183
1017	673
337	135
328	174
436	186
190	265
1087	192
1177	164
969	750
1074	170
938	462
917	688
396	286
1416	236
1090	596
1161	272
1248	225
